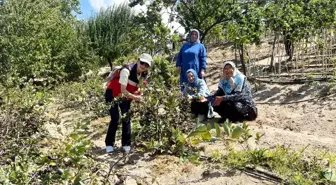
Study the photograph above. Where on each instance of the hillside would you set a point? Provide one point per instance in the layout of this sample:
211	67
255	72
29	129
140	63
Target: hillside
292	116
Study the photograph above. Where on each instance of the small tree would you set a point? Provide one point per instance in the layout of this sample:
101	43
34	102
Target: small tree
245	28
204	15
151	33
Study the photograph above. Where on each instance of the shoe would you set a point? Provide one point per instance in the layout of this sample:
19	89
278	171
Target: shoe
127	149
109	149
200	118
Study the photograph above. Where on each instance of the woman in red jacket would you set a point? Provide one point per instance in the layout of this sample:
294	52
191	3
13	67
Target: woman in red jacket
125	83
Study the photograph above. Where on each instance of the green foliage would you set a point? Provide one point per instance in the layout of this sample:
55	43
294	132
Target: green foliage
165	118
110	32
66	162
204	15
152	35
27	154
203	132
86	95
297	18
233	131
216	34
163	73
329	175
292	166
21	117
42	40
246	26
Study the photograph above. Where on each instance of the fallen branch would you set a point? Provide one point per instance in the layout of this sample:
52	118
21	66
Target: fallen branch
111	167
262	173
254	172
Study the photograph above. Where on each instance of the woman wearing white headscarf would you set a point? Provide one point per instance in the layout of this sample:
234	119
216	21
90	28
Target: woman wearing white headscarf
233	99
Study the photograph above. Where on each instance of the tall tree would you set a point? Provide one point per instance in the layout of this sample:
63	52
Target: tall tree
204	15
110	32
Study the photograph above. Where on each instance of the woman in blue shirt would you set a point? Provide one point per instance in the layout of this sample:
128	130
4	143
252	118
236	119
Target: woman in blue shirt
233	99
191	56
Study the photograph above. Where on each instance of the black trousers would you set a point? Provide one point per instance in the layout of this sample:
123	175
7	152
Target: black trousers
201	108
236	111
124	107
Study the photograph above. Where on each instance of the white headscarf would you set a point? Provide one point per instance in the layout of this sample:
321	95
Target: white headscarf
228	84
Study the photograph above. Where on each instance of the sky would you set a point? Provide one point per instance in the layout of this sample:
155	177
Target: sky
90	7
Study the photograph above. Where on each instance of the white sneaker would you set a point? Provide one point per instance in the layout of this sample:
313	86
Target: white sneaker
200	118
127	149
109	149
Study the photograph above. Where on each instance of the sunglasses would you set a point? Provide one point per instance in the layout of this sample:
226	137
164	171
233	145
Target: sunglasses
144	64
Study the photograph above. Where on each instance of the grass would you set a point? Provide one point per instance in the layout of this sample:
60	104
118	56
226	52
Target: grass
293	167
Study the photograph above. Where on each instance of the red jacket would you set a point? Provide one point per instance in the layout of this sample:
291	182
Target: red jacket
132	85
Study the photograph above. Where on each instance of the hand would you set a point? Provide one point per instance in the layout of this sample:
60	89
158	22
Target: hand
218	100
202	100
138	98
202	74
178	70
189	97
138	93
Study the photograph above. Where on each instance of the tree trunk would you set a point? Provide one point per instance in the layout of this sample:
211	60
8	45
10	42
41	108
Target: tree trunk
236	55
292	52
242	58
110	63
271	67
289	46
202	38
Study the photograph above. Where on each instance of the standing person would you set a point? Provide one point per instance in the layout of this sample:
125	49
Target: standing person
192	55
197	90
124	83
233	99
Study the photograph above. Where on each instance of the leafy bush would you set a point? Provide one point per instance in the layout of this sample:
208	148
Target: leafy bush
84	95
27	155
22	115
68	161
165	114
43	40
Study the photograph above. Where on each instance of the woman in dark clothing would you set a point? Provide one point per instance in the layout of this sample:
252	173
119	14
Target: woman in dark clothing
233	99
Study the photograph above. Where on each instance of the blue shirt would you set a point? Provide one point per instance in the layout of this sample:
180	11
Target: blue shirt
191	56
